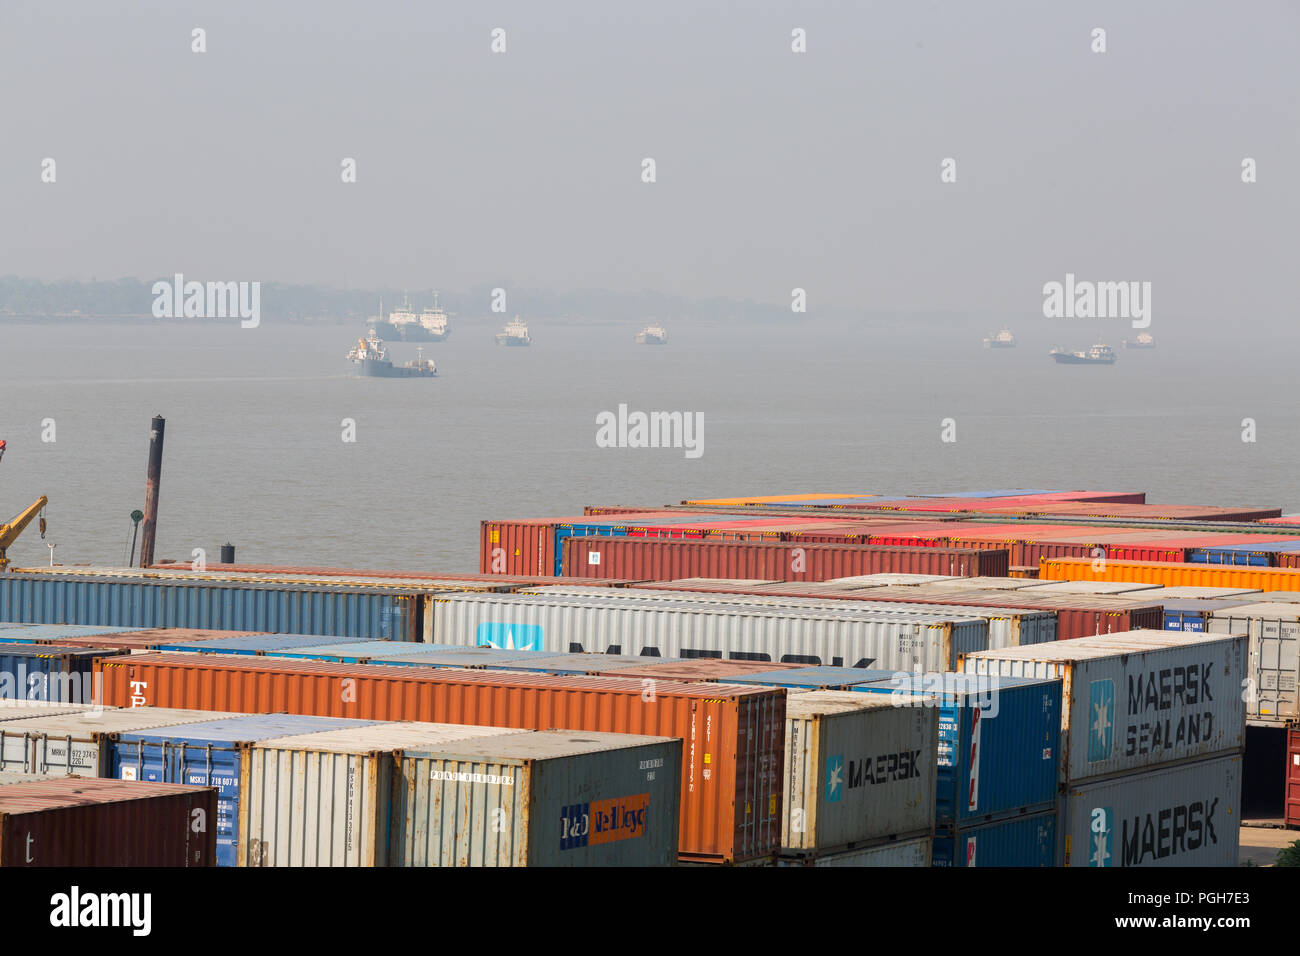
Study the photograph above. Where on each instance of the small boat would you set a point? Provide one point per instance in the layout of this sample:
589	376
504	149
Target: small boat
1143	341
1099	354
515	333
652	335
370	358
1000	340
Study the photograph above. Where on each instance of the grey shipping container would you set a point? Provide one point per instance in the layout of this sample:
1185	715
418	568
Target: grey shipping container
550	798
323	799
1187	815
683	629
858	770
1274	630
906	853
1136	699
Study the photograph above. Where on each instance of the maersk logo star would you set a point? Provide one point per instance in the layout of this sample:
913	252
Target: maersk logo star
834	778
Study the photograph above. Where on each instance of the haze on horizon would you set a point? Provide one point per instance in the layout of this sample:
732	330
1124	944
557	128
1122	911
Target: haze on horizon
775	170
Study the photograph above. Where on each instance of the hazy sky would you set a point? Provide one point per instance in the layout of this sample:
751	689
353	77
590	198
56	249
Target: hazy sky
775	169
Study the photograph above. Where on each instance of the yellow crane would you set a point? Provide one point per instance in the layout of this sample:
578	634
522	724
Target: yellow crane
13	528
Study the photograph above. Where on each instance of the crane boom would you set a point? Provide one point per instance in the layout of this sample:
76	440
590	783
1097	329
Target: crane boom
12	529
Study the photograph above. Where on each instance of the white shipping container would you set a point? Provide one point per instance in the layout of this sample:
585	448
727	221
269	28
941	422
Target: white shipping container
20	709
1091	587
323	799
1274	630
547	798
1188	815
911	853
1136	699
858	769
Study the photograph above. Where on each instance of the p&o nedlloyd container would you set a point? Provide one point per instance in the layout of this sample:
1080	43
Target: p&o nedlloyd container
1137	699
1274	630
858	771
551	798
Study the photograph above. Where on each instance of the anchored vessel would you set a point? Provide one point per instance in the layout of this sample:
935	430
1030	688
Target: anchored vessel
515	333
1099	354
652	335
370	358
403	323
1000	340
1143	341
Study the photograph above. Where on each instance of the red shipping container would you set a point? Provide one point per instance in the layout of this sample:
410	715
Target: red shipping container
1292	809
732	754
86	821
147	639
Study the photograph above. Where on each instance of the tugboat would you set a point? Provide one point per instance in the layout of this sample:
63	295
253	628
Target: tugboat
434	322
370	358
1001	340
516	333
652	335
1143	341
1099	354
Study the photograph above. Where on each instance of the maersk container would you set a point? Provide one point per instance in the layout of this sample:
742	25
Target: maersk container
1186	815
998	740
152	602
815	678
1274	630
547	662
858	770
252	644
682	629
324	798
903	853
49	672
56	744
551	798
210	754
1135	700
1194	614
1019	841
1008	627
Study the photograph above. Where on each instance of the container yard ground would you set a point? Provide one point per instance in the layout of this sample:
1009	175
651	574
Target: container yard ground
1260	845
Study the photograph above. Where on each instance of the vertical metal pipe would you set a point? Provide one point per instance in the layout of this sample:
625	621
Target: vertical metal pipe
152	482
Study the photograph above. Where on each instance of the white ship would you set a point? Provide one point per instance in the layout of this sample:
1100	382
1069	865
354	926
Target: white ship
1145	340
434	322
1002	340
515	333
370	358
652	335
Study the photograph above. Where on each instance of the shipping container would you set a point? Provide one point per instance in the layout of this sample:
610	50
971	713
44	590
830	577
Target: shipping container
353	652
815	678
49	672
65	634
998	740
84	822
1194	614
253	644
81	743
324	798
1185	815
685	629
33	597
552	798
1199	594
1089	587
698	669
148	640
1262	553
904	853
22	709
858	770
1274	667
731	763
208	754
549	662
1292	810
420	579
1170	573
1020	841
1136	700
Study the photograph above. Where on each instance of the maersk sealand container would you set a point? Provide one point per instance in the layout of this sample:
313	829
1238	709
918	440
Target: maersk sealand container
999	741
279	608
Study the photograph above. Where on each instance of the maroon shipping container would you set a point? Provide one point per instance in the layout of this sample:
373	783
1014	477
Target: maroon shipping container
1292	809
660	559
86	821
500	582
147	639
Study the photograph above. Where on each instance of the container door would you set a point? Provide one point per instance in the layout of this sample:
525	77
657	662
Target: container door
1277	659
213	766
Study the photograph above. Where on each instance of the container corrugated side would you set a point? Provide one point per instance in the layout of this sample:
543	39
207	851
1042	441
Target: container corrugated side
324	798
1274	631
1137	700
904	853
1171	573
1019	841
1291	809
731	773
857	770
49	672
552	798
1187	815
83	822
695	630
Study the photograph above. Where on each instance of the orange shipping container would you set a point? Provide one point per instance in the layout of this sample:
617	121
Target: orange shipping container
733	736
1171	573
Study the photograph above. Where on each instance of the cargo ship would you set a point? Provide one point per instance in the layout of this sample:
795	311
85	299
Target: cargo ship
1099	354
403	323
434	322
370	358
652	335
515	333
1143	341
1001	340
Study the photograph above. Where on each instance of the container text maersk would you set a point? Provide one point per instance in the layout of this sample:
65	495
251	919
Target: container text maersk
1154	694
883	768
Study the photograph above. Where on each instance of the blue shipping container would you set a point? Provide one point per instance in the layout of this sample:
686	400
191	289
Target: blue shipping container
1192	615
1020	841
1256	554
211	754
356	652
256	644
36	633
999	742
210	605
816	677
49	672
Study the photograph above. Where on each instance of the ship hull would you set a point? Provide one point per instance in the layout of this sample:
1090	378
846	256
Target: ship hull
370	368
1062	359
646	340
1001	345
1133	345
514	343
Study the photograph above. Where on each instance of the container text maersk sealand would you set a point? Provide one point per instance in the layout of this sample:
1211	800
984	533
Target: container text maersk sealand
731	757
